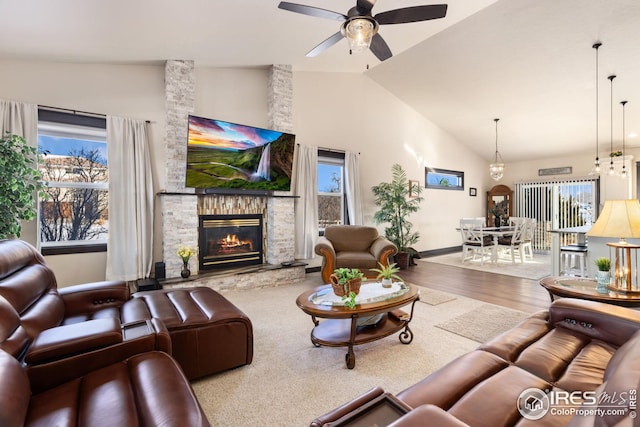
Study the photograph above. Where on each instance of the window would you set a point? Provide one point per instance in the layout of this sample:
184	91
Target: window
331	198
74	216
444	179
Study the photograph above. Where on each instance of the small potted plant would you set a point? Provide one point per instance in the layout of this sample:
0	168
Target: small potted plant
386	273
603	275
185	252
346	283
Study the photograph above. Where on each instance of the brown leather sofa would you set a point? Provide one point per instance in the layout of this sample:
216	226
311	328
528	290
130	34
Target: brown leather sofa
582	355
95	355
353	246
206	332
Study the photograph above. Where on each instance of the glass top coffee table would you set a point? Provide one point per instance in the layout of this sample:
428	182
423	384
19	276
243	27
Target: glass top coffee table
344	327
585	288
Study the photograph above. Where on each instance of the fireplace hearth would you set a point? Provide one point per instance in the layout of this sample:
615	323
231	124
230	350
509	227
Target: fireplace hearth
228	241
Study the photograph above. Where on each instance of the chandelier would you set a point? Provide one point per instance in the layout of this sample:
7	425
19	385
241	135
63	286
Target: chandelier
496	169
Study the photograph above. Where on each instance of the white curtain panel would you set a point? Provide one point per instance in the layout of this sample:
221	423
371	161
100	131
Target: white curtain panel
352	187
19	119
306	204
129	249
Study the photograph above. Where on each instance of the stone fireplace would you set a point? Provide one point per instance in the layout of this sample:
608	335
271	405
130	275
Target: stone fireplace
181	208
227	241
183	212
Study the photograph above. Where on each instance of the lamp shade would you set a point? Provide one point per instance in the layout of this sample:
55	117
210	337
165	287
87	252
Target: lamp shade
619	218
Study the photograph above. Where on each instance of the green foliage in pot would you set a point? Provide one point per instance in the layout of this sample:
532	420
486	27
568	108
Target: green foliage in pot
603	264
19	184
396	205
344	275
387	272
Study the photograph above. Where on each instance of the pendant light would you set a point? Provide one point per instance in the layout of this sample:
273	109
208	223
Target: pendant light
612	171
624	170
596	163
496	169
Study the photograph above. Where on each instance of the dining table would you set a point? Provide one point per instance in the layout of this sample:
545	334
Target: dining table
496	233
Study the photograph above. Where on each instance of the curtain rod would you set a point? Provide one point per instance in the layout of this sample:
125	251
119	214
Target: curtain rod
76	112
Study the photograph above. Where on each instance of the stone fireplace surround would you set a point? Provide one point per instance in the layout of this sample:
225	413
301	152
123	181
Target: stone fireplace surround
180	207
180	212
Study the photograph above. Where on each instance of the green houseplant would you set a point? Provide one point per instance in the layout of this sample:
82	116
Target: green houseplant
396	202
603	275
386	273
346	283
19	184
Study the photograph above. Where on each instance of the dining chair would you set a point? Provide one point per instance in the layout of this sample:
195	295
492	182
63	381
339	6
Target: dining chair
515	241
528	235
474	242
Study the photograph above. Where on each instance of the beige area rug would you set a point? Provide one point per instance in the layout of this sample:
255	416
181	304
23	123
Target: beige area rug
536	268
290	382
484	322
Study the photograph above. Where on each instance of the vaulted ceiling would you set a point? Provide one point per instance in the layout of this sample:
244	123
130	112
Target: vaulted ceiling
528	62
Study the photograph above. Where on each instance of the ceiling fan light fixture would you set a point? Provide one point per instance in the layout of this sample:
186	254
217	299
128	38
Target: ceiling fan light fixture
359	32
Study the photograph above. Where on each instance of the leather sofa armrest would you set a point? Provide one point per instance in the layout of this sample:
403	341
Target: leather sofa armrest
607	322
47	375
89	297
348	407
68	340
382	249
428	416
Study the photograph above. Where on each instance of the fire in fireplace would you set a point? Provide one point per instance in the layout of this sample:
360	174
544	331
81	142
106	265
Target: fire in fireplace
228	241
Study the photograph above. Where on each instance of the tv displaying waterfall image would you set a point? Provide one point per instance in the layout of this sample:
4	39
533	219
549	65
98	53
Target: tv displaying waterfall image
223	155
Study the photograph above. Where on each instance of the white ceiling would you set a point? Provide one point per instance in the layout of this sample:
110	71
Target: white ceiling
528	62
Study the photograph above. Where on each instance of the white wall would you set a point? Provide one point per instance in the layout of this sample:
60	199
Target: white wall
331	110
351	112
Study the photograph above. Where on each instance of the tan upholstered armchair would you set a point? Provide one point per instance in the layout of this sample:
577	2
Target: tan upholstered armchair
353	246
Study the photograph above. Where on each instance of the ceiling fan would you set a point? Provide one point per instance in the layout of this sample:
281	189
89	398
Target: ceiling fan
360	28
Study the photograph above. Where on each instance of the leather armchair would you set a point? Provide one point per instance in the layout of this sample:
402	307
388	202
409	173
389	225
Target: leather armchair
353	246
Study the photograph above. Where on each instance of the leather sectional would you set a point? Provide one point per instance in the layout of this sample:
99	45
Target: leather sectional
582	355
94	354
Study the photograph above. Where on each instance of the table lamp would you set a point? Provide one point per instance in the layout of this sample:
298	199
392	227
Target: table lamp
621	219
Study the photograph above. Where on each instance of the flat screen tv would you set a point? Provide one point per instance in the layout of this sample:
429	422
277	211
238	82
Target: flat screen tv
230	156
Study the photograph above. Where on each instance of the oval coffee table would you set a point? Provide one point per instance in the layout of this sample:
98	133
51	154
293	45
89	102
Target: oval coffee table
340	327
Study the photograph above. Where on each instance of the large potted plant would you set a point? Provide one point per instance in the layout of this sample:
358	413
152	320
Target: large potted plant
397	201
19	184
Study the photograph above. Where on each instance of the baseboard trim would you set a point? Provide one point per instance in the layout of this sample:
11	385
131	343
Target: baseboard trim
441	251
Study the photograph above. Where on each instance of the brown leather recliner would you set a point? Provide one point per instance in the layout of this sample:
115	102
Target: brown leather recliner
353	246
145	390
203	331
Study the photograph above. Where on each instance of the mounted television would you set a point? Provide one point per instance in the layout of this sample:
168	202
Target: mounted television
227	156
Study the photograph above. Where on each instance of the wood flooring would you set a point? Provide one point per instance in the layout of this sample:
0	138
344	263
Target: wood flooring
508	291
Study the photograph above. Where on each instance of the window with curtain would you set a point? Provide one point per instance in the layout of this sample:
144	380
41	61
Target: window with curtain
331	196
74	217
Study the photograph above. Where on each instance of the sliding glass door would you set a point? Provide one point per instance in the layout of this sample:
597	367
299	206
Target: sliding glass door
557	204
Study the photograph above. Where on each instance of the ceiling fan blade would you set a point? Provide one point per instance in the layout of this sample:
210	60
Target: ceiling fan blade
364	6
325	44
380	48
312	11
411	14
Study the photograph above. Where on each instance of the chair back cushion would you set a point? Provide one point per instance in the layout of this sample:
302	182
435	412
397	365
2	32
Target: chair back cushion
355	238
30	287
